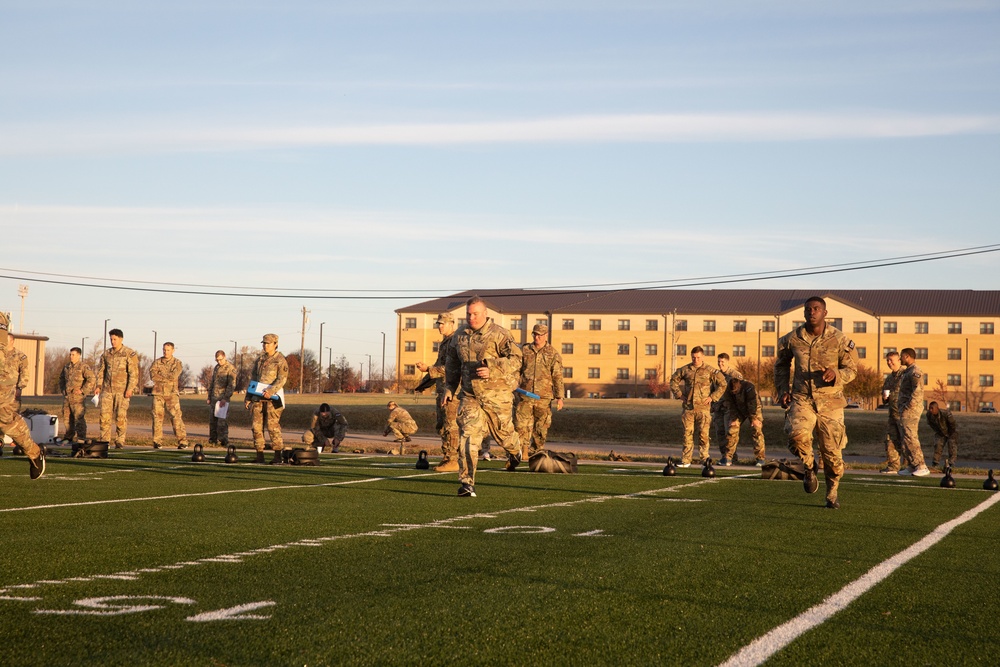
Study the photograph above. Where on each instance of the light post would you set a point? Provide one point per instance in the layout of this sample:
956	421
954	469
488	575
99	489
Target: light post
329	368
382	377
154	343
321	355
635	373
83	346
106	334
239	367
369	372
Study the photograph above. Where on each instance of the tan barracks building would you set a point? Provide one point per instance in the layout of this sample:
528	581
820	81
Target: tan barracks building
613	343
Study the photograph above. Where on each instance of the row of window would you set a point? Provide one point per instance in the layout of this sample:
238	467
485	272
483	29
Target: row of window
569	324
985	328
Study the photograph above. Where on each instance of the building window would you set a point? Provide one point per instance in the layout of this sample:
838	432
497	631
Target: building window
595	325
682	350
624	325
888	327
920	352
887	350
567	372
542	321
623	348
709	350
862	352
767	325
954	327
622	374
986	327
986	354
567	348
985	380
739	350
516	324
463	323
836	323
739	325
436	347
921	328
594	348
767	351
954	354
708	325
954	380
681	325
593	373
955	406
651	374
410	346
568	325
652	325
651	350
409	369
411	323
860	327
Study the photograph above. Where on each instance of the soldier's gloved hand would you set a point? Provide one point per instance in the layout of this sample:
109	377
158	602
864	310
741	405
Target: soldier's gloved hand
786	399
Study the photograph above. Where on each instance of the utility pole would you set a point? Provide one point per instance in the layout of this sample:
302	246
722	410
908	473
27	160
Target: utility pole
329	355
154	344
22	291
83	346
106	334
382	377
369	372
302	349
321	355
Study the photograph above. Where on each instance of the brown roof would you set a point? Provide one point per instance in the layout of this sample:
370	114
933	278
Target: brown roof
751	302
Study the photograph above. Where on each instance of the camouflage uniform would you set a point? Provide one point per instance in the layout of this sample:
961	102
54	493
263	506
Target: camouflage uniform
541	373
697	387
12	424
401	424
326	427
272	370
447	413
164	373
892	434
740	407
945	432
17	367
118	372
75	382
815	402
221	388
911	406
485	404
720	420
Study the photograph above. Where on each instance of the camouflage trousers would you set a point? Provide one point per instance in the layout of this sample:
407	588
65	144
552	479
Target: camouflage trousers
720	429
533	417
114	404
218	429
324	438
169	403
263	413
892	444
74	416
802	418
12	424
912	454
939	442
447	426
477	417
402	429
733	439
700	421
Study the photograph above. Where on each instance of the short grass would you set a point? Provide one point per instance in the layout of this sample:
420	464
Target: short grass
148	559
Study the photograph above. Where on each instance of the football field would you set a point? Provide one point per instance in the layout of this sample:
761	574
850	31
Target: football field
147	558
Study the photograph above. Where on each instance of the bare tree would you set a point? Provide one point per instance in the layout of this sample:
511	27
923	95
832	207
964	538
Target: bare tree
866	386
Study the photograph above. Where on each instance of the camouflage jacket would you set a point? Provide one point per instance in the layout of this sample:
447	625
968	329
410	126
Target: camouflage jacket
891	385
77	376
164	373
401	417
943	423
223	382
723	377
437	371
271	370
812	356
542	371
493	347
119	370
744	404
7	389
327	424
911	392
697	387
17	367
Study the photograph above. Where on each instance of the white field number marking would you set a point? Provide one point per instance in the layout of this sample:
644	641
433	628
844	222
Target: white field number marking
120	605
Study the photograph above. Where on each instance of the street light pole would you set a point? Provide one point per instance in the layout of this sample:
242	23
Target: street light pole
382	377
106	334
635	378
154	343
321	355
329	371
369	372
83	346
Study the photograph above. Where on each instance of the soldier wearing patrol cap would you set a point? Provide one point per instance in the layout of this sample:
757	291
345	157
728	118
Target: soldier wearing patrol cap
76	381
12	424
270	368
542	375
118	374
447	412
165	373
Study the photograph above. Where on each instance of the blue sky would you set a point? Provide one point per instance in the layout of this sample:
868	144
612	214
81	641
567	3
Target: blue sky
443	146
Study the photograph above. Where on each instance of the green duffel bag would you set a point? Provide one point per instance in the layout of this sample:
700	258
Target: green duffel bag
783	469
549	461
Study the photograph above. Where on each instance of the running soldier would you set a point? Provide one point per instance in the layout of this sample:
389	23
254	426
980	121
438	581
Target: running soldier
17	367
270	368
165	372
696	384
76	380
220	393
12	424
447	412
542	375
118	373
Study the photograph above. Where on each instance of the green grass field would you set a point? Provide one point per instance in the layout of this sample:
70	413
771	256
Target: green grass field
149	559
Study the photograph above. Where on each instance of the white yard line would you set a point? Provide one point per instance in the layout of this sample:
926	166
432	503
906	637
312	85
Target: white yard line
762	648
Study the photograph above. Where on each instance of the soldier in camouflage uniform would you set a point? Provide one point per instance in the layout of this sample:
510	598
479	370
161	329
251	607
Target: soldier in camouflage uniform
400	424
911	406
696	384
447	413
741	403
118	374
165	372
17	361
220	391
541	374
814	396
76	381
12	424
328	428
270	368
485	363
720	420
890	396
942	423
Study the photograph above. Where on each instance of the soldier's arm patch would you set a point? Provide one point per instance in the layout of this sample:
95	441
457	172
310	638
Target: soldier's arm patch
850	344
